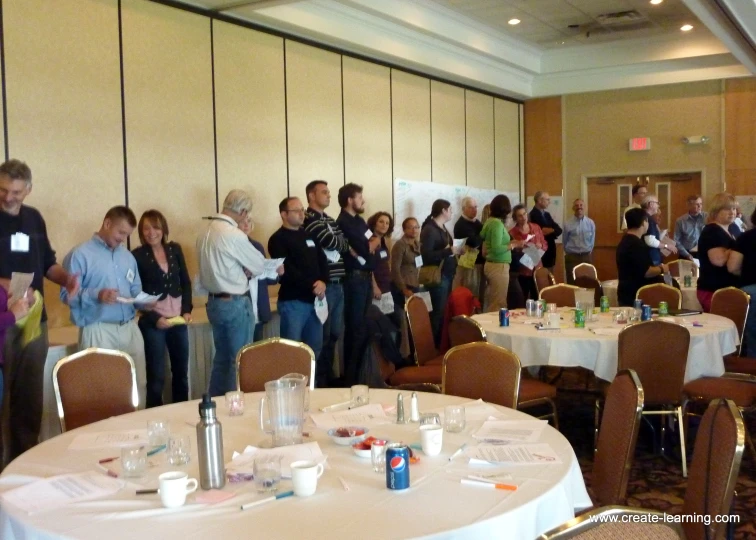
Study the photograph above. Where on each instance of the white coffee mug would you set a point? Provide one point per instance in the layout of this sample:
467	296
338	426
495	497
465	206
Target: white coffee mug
174	487
304	476
431	439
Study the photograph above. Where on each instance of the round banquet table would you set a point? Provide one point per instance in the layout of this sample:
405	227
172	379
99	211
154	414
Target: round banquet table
689	298
436	504
595	346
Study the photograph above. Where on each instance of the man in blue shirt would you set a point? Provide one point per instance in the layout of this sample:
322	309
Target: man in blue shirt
109	275
688	228
579	238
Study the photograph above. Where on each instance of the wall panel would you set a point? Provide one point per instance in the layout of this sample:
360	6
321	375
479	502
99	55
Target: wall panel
507	141
740	135
410	103
479	120
64	115
316	145
251	120
448	133
169	117
367	132
543	146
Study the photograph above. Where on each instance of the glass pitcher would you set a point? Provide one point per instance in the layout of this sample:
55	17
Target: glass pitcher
284	401
585	300
305	380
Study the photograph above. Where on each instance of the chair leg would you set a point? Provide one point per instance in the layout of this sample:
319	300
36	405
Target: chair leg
663	428
681	428
597	408
554	413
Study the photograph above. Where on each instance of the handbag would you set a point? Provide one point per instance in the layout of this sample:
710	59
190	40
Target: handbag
430	276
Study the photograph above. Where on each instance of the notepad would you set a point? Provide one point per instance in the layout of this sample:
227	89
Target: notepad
173	321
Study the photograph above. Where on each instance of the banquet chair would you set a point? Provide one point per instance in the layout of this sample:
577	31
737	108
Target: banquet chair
585	269
92	385
463	329
535	393
562	295
733	304
271	359
482	371
585	282
679	267
658	292
543	278
421	332
710	490
651	348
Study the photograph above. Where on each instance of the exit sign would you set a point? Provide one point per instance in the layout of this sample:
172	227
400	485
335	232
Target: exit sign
639	143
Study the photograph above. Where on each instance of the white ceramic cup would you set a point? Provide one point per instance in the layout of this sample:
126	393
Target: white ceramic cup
432	439
304	476
174	487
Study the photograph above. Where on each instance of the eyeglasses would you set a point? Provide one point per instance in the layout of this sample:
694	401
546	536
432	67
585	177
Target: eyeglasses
296	210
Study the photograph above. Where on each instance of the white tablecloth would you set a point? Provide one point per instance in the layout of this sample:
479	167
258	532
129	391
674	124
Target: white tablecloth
436	505
689	298
580	347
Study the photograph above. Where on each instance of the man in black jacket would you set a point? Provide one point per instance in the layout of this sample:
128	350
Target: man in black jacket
551	229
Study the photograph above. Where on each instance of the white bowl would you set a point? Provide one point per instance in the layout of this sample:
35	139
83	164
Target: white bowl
348	440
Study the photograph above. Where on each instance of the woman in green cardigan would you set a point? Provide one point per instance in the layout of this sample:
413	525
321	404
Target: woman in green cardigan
498	251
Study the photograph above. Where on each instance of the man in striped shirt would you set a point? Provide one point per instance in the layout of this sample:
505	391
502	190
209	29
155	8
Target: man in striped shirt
327	236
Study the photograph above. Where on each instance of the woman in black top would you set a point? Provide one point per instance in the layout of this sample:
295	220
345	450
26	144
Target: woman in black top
382	225
714	247
634	265
163	271
742	262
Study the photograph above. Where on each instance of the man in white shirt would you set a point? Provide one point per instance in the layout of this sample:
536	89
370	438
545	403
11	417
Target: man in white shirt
639	195
224	253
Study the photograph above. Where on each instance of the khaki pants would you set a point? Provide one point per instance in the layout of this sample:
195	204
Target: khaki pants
472	278
497	275
125	338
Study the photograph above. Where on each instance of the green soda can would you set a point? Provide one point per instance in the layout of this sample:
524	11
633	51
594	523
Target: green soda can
544	306
688	280
604	304
579	318
663	308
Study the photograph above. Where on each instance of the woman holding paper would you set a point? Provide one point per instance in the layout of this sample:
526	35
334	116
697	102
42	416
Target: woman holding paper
382	226
531	235
498	248
163	271
10	312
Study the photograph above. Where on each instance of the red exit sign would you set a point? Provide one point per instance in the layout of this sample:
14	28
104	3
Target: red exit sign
639	143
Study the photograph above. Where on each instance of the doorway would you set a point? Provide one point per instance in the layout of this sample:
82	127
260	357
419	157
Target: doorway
607	197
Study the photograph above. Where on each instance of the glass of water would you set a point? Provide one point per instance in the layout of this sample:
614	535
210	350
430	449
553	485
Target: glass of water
158	432
360	395
454	418
179	447
267	473
133	461
378	456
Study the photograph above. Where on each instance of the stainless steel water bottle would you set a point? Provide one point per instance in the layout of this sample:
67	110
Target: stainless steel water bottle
210	446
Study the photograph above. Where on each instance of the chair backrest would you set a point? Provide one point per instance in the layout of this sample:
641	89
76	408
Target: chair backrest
482	371
680	267
418	321
658	352
463	329
585	269
562	295
616	440
714	470
732	303
543	278
657	292
271	359
92	385
586	282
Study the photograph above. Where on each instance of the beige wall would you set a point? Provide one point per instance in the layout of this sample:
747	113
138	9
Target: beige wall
211	106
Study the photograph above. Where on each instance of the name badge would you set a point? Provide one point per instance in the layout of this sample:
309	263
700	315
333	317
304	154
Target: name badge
383	254
310	243
418	261
361	260
20	242
368	234
130	276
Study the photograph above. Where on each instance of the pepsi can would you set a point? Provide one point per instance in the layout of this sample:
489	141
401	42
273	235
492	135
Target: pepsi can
646	313
638	304
397	466
503	317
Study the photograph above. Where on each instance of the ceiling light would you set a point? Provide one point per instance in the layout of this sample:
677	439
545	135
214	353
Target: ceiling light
686	28
656	2
514	21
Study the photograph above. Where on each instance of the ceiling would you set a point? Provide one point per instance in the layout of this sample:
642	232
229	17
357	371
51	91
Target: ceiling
559	46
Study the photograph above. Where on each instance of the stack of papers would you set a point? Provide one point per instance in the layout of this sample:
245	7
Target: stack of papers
240	466
515	431
360	416
141	298
56	491
108	439
520	454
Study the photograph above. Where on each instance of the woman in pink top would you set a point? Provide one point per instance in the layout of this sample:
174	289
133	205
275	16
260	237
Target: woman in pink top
521	231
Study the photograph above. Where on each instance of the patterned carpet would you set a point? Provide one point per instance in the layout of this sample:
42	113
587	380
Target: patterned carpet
656	482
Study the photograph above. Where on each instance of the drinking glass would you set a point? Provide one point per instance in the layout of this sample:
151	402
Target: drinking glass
430	419
235	403
267	473
551	308
454	418
133	461
530	308
179	447
378	456
360	395
158	432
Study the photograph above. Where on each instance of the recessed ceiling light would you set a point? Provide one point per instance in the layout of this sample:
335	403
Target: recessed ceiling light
686	28
656	2
514	21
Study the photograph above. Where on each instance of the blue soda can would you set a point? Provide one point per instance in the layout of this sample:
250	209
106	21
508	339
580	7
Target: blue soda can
397	466
646	313
503	317
638	304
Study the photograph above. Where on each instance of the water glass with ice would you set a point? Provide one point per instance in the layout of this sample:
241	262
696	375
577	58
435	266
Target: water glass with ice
267	473
158	432
179	448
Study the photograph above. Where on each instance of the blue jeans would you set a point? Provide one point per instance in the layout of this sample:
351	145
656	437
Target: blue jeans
232	321
439	297
176	339
332	330
750	326
300	323
358	288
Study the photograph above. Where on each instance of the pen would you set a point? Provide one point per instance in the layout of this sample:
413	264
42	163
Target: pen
489	485
458	452
344	484
267	499
147	491
156	450
337	406
107	460
107	471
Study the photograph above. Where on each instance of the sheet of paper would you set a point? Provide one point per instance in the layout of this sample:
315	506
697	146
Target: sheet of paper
241	463
529	454
697	263
56	491
426	297
19	284
271	265
529	237
359	416
108	439
530	256
519	431
141	298
332	255
459	242
385	304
